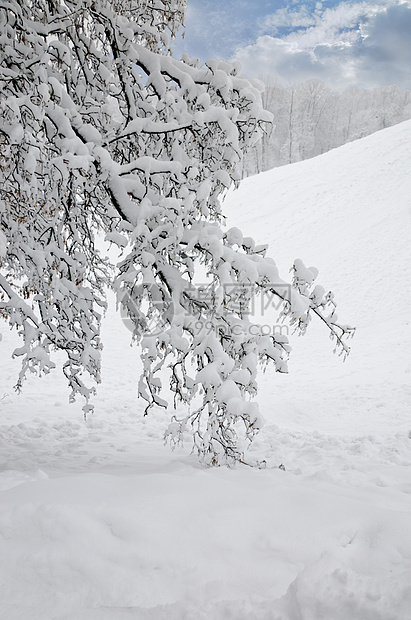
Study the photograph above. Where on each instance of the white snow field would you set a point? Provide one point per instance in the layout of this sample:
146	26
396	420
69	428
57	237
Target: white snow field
100	520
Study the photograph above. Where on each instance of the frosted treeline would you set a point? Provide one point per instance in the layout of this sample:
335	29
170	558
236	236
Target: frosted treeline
310	119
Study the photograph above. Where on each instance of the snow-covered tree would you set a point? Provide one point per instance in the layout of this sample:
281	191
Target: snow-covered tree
102	131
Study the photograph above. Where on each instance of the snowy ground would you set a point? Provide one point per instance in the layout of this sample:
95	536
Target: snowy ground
99	520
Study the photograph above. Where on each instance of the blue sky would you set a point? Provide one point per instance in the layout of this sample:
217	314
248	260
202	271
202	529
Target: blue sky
344	44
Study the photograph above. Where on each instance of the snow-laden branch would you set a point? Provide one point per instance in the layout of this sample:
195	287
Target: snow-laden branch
90	146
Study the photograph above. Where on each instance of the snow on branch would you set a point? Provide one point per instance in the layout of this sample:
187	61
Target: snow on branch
103	132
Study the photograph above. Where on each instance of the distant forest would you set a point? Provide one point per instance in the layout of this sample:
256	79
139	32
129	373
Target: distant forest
310	119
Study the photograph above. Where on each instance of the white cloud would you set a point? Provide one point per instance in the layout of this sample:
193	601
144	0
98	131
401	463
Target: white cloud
364	44
216	27
285	17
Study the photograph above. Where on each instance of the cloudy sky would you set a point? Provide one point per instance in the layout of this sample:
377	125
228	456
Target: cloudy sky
344	44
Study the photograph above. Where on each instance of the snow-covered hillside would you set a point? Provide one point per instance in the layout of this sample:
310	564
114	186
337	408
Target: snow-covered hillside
348	213
99	520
